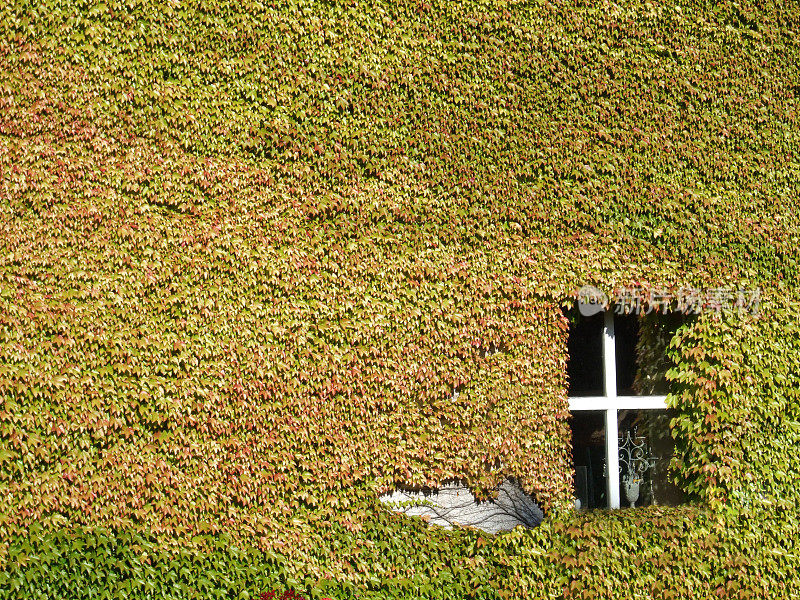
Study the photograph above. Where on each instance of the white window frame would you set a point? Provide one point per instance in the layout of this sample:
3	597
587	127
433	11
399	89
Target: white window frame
610	403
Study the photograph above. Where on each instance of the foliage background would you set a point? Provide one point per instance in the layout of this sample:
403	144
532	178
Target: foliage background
250	249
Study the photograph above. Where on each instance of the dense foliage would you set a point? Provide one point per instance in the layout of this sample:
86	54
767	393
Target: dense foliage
646	553
249	251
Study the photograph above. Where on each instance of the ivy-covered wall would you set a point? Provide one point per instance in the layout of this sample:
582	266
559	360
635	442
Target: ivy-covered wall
250	249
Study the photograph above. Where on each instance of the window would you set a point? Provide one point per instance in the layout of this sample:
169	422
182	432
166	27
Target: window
620	423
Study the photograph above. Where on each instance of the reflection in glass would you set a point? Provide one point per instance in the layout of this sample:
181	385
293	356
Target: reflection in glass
589	457
652	428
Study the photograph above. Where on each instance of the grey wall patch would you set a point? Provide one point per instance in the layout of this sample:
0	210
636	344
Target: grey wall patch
454	504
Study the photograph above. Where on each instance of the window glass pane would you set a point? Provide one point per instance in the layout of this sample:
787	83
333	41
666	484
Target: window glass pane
646	448
589	456
626	336
585	345
656	330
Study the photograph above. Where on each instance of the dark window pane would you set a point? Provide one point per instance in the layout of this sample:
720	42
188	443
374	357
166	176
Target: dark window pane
644	462
626	335
655	334
585	345
588	456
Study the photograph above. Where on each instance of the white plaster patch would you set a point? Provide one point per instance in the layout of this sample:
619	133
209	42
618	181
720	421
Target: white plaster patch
454	504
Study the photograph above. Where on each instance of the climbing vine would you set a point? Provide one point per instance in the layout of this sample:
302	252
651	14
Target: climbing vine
250	249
